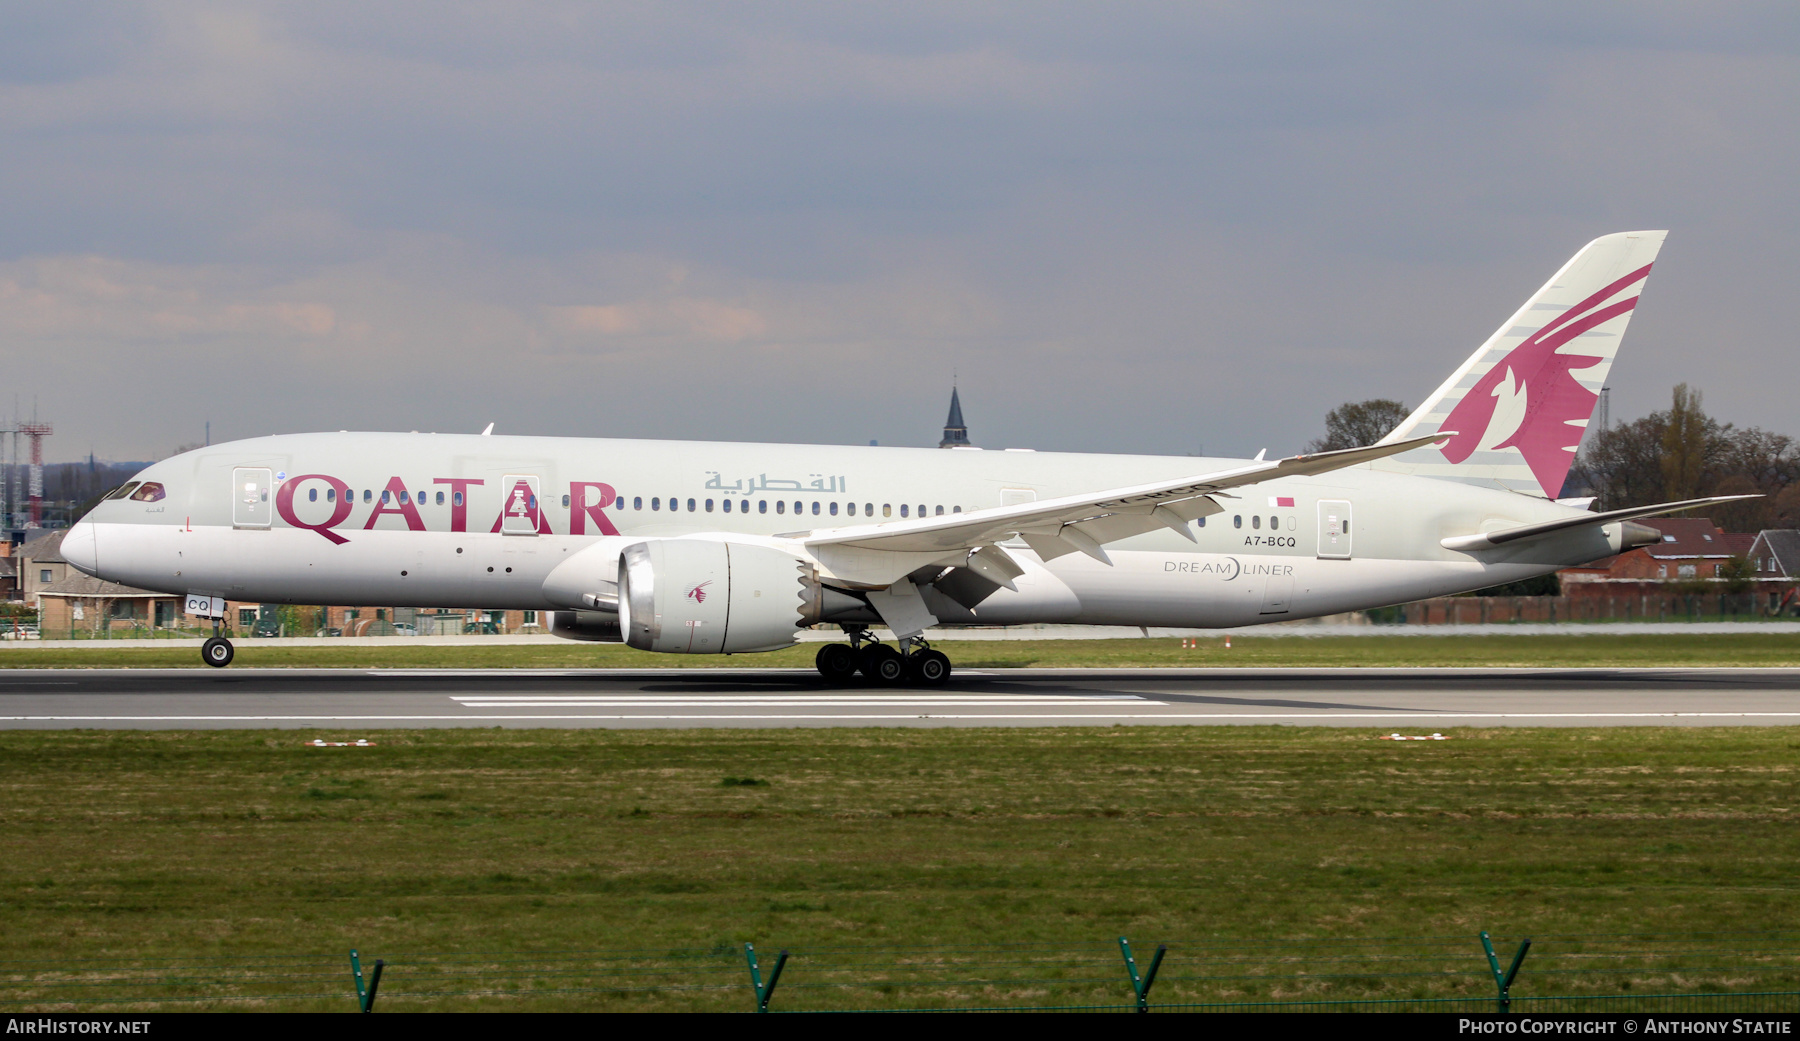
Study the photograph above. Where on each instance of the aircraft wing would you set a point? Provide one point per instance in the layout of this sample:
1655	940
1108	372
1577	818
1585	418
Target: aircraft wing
1085	523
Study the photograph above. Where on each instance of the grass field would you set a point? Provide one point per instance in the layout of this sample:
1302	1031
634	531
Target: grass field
200	848
1572	651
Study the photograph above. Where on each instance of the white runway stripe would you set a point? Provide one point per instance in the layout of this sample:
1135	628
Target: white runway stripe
778	700
468	717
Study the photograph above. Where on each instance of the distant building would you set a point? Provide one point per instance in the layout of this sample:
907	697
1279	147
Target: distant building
40	564
1776	554
79	602
956	435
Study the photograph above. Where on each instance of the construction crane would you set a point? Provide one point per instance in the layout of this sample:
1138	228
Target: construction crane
36	431
17	498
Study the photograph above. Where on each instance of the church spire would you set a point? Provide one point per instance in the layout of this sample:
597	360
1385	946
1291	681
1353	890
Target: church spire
955	433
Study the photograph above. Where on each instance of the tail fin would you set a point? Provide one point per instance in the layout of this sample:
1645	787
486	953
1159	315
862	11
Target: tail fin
1520	403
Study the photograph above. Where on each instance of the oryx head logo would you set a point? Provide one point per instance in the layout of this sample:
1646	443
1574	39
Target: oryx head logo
698	593
1530	400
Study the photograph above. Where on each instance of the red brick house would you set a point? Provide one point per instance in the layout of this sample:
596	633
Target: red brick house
1691	548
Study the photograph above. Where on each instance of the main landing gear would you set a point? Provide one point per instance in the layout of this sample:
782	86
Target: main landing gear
881	664
217	651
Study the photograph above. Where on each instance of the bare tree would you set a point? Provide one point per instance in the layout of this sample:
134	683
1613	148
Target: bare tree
1358	423
1682	453
1623	464
1684	445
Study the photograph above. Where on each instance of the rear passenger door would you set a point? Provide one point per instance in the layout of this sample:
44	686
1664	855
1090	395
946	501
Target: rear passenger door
1334	529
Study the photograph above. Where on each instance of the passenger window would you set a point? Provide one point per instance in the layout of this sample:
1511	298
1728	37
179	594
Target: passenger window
565	502
331	494
780	505
368	496
1201	522
656	502
1237	520
709	505
123	490
902	509
1256	521
312	495
921	509
637	503
815	508
888	511
868	509
762	506
457	498
691	506
440	497
1274	523
726	503
834	509
956	509
849	508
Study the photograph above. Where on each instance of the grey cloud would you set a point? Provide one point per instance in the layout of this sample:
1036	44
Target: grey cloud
1127	227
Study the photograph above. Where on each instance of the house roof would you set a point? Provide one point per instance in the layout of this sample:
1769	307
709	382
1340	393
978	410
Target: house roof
1781	543
9	568
1738	543
1689	537
45	549
79	585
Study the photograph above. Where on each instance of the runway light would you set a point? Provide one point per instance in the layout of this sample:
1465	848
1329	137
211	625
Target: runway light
358	743
1403	737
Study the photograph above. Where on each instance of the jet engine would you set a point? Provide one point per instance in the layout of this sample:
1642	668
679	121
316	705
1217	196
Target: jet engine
701	596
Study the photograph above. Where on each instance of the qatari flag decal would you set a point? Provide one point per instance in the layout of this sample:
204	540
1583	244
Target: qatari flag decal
1281	500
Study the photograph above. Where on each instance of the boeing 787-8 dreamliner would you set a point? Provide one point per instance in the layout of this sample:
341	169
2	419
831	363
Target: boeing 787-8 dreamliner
691	547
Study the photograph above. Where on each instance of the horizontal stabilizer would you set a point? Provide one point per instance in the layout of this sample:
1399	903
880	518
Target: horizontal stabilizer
1491	539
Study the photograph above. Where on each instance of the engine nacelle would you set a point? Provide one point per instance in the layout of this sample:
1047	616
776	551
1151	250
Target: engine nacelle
699	596
589	626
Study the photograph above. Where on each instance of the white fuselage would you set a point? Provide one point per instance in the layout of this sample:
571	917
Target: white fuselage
1264	559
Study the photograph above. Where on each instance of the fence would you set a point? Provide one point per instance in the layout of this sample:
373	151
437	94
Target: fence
1645	607
1584	973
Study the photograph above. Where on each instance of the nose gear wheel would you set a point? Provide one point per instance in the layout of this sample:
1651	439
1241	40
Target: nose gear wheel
217	652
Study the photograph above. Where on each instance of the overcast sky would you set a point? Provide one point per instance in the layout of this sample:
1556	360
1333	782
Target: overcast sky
1153	228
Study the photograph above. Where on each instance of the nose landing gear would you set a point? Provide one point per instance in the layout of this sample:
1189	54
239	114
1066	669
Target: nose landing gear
882	665
217	651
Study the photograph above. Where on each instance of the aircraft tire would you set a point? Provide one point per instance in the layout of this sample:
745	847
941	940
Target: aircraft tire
928	669
217	652
836	662
882	665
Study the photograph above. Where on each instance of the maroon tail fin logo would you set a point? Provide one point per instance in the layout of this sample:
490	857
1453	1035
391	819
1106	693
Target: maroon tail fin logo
698	593
1554	401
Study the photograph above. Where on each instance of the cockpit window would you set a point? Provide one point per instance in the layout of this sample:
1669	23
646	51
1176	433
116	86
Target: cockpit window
122	490
149	492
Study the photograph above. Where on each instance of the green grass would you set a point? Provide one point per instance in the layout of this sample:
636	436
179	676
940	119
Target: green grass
220	846
1558	651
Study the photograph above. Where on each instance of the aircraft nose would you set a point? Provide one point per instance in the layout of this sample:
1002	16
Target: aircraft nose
81	549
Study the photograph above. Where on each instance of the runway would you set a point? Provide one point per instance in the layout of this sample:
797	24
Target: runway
1415	701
